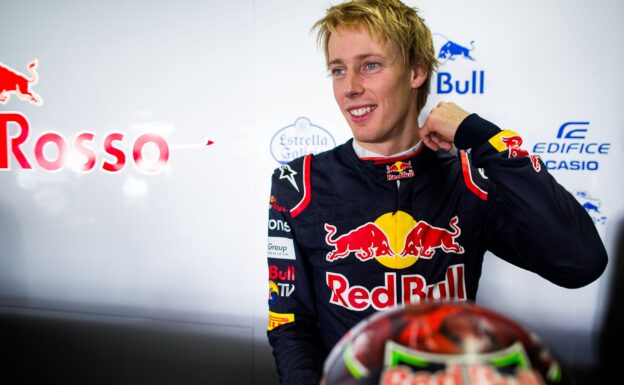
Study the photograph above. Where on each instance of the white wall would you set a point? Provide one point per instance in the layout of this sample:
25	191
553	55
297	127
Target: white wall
188	243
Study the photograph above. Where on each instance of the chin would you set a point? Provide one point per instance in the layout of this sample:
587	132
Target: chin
365	135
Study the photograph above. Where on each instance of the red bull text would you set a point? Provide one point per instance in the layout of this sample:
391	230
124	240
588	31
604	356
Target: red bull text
413	288
399	170
282	275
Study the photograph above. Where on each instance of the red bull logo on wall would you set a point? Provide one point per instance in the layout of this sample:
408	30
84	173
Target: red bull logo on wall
14	83
395	240
592	205
53	152
457	73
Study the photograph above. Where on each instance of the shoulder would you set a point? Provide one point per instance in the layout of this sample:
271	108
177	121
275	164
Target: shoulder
289	180
458	165
292	182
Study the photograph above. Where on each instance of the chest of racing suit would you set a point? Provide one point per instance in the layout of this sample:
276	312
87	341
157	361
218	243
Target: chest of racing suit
349	236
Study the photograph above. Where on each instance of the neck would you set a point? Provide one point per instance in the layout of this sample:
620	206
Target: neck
393	146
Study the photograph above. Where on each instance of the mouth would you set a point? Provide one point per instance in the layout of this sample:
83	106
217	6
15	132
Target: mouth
361	111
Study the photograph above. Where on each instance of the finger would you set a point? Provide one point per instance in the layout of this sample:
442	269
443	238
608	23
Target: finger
445	146
425	130
429	143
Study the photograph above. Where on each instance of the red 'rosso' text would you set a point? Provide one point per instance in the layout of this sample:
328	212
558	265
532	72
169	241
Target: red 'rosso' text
80	145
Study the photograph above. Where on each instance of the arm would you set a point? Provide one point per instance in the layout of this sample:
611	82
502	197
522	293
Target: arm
532	221
292	330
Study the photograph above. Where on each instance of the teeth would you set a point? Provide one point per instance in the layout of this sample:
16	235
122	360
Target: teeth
361	111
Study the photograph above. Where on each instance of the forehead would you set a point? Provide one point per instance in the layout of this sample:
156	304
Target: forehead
349	43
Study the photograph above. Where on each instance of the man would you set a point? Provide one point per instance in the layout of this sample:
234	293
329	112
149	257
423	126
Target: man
392	216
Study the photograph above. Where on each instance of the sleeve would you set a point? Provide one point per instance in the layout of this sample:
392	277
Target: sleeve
531	220
293	327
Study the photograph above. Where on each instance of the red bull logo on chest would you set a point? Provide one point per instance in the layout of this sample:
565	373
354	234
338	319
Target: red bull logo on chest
395	240
406	289
399	170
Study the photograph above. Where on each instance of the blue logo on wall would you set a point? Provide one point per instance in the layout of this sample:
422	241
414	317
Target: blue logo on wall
452	49
298	139
460	80
591	205
574	149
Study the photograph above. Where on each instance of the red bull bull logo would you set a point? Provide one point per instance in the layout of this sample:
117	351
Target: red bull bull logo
367	241
54	152
424	238
395	240
13	82
513	143
275	206
399	170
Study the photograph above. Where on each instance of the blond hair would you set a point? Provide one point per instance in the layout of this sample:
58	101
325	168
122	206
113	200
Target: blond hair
389	20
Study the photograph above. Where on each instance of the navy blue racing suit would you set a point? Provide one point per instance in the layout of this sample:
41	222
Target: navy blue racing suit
349	236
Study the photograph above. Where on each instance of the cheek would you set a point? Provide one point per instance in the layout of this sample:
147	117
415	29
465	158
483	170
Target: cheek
395	92
338	96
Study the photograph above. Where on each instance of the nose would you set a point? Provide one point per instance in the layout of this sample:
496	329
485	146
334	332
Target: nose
353	84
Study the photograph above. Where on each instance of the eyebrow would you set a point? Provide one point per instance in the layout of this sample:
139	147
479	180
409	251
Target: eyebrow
358	57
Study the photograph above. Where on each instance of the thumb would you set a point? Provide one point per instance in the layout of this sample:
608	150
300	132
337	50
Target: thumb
427	137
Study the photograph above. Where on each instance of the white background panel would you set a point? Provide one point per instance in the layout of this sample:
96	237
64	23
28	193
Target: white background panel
190	242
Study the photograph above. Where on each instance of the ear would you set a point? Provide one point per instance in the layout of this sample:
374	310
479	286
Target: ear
418	75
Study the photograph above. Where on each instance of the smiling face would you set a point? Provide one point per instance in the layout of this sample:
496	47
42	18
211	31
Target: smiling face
374	89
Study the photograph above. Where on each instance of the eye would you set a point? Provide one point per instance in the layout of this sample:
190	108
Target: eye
336	72
371	66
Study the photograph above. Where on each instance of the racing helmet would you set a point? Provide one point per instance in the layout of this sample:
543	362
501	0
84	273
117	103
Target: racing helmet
441	343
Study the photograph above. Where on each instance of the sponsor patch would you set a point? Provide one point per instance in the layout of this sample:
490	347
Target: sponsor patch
396	240
279	225
399	170
283	275
281	248
279	319
497	140
276	206
286	172
413	289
